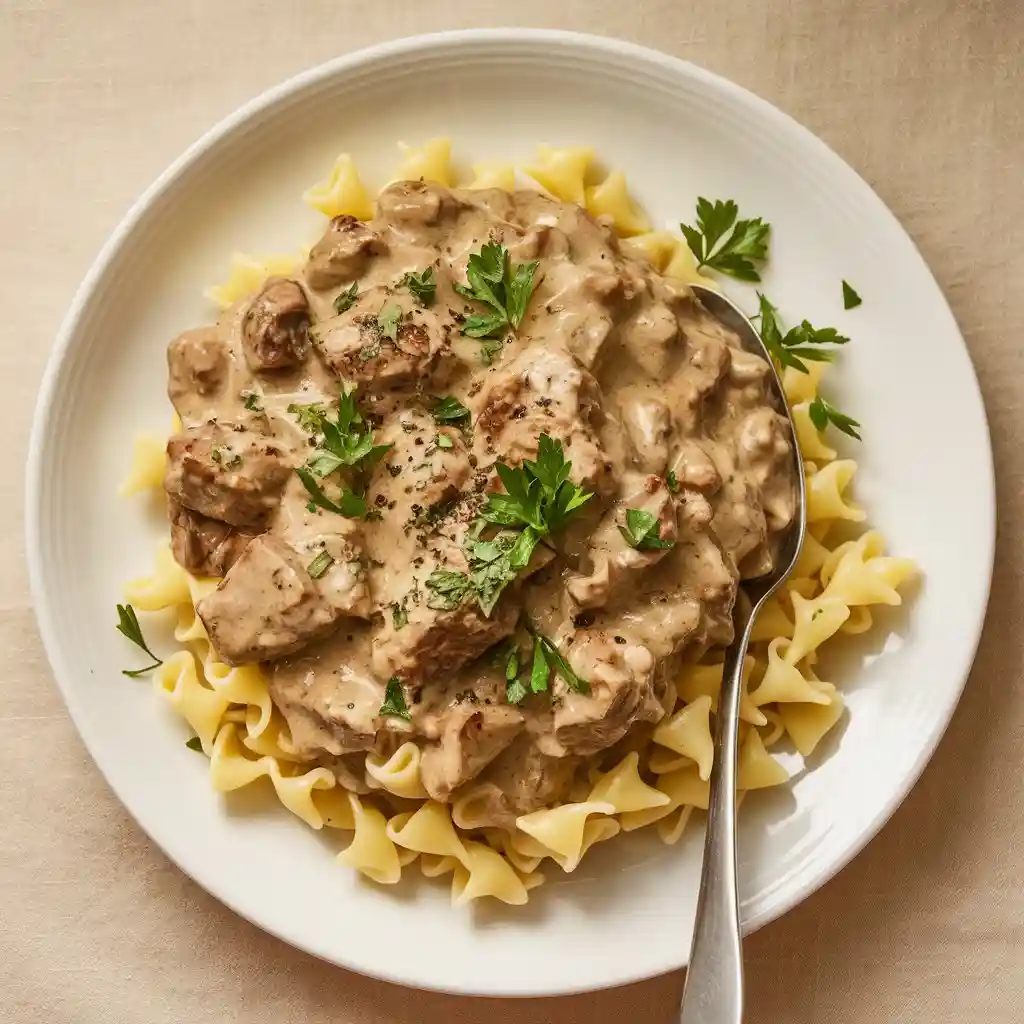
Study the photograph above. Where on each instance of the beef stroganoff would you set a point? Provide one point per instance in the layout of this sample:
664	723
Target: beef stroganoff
459	506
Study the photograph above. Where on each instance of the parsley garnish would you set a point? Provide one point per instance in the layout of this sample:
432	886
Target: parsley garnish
320	565
348	441
798	343
822	414
450	410
345	300
195	744
851	300
505	287
539	670
394	700
349	504
422	286
399	615
388	320
310	417
747	242
643	531
672	481
449	588
444	441
128	625
251	400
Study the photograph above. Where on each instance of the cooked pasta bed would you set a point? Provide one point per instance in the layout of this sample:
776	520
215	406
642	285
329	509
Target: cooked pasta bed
657	772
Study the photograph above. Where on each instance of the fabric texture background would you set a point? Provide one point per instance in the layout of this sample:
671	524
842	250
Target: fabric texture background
925	99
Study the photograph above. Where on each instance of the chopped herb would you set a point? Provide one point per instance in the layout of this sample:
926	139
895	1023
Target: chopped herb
443	441
399	615
348	441
450	410
512	663
561	666
216	454
495	563
310	417
394	700
388	320
422	285
489	348
672	481
346	299
515	691
128	625
195	744
320	565
642	531
251	400
539	670
735	256
851	300
449	588
503	286
349	504
822	414
798	343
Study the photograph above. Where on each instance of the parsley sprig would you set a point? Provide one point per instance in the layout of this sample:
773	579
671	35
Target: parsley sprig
450	410
643	531
798	343
346	299
388	319
546	658
394	700
422	286
822	413
501	285
128	625
733	254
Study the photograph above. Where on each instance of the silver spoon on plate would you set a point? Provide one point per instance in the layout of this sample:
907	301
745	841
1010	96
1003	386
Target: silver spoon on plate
713	993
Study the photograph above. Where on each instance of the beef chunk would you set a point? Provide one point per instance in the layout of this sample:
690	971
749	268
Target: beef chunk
343	253
414	203
622	692
267	606
204	546
472	736
198	366
544	391
228	473
357	348
274	328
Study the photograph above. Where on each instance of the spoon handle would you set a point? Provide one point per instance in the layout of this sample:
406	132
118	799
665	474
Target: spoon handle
713	993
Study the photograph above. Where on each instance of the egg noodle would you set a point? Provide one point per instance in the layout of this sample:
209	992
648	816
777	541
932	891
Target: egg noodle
839	577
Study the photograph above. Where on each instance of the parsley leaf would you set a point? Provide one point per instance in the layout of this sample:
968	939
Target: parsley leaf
128	625
388	319
311	417
672	481
851	300
643	532
735	256
251	400
444	441
394	700
489	348
399	615
450	410
348	441
345	300
449	588
422	286
320	565
349	504
195	743
515	691
539	670
822	414
505	287
561	666
797	344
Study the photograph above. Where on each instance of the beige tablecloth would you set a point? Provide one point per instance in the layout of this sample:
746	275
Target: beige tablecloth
925	99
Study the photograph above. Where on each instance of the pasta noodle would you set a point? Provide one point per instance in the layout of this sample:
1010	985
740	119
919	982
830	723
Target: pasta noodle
832	590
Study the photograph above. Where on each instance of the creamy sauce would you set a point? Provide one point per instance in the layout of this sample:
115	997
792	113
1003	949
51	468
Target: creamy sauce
621	365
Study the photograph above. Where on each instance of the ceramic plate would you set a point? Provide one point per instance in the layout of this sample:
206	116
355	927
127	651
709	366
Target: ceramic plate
678	132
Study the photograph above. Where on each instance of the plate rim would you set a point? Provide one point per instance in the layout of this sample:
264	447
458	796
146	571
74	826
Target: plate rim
346	64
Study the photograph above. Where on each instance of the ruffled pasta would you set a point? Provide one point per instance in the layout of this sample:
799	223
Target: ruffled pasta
493	174
429	162
149	455
562	170
341	192
611	200
248	273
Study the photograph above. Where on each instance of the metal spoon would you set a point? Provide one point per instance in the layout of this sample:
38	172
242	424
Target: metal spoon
713	993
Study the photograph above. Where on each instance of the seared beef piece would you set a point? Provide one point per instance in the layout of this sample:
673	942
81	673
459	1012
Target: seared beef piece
204	546
226	472
545	391
267	605
622	692
413	203
474	734
357	348
198	364
275	326
343	253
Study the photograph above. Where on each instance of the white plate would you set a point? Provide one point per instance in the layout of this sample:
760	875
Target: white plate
677	131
